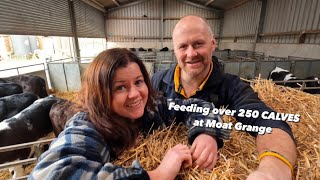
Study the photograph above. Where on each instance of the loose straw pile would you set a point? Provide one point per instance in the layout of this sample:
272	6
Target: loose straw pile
151	150
71	96
236	159
306	132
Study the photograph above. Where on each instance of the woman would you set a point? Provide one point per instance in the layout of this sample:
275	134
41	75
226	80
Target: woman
116	102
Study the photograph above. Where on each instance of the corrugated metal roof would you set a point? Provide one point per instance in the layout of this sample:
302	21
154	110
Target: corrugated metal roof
142	21
217	4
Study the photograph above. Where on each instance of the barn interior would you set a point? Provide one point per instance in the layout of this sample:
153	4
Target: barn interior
57	40
253	36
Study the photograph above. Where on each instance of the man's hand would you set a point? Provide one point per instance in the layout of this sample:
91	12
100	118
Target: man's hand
204	151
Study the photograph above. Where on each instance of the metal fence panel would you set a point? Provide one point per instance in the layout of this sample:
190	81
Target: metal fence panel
247	70
305	68
165	55
83	67
72	72
65	76
302	68
315	68
232	68
57	76
221	54
267	66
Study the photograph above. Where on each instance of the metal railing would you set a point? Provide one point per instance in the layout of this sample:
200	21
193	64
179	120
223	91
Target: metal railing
18	69
301	83
22	146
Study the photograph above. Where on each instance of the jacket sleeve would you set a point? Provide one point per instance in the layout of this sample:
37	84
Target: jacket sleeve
240	96
156	79
80	153
191	117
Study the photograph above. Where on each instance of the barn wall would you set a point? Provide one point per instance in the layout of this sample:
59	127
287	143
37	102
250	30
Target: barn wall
89	21
291	16
152	45
287	17
49	18
140	25
241	21
238	46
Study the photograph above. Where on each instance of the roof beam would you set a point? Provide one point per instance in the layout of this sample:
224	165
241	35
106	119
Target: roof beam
74	31
209	2
127	5
95	4
240	3
200	6
116	2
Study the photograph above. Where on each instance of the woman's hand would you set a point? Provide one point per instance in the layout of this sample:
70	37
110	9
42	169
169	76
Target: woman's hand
171	163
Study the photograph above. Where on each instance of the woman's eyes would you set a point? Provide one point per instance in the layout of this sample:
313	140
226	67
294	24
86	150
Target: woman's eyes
139	82
120	88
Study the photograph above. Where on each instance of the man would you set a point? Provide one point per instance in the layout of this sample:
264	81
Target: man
198	75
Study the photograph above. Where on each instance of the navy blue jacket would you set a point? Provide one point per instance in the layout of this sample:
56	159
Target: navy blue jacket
223	90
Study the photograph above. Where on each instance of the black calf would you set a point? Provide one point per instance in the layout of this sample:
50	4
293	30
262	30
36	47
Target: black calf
13	104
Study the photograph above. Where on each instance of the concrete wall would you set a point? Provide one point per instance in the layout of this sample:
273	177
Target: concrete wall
280	50
236	46
284	50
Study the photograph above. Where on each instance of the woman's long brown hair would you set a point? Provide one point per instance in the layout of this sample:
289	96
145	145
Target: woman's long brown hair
95	97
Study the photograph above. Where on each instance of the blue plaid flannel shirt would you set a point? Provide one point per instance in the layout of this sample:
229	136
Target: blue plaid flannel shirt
79	152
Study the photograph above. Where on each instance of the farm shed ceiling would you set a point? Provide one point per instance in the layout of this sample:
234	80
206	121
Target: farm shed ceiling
217	4
52	18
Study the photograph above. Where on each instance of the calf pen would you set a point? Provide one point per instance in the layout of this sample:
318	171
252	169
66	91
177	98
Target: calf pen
238	157
65	74
4	174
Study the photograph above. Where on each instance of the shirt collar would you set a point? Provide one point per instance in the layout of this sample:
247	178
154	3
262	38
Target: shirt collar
178	86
